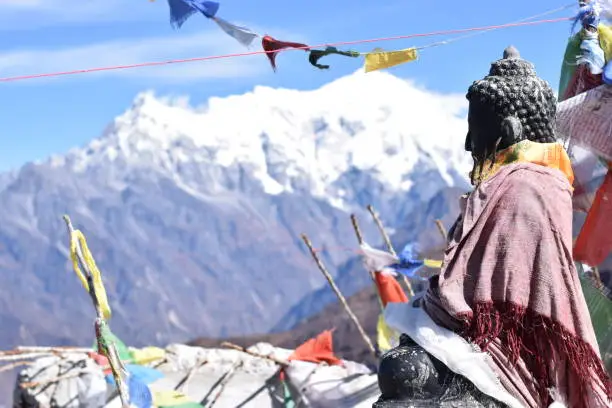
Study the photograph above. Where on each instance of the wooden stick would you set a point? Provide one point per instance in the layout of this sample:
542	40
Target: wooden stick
36	349
389	245
24	356
228	376
33	384
359	236
254	354
597	277
14	365
382	230
357	229
442	230
182	385
331	282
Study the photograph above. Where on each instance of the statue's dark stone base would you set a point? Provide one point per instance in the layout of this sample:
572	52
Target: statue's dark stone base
410	377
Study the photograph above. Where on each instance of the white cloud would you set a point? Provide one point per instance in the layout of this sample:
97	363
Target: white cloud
137	51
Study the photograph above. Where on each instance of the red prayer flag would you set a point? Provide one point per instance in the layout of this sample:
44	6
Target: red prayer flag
594	243
101	360
317	350
582	81
389	289
272	46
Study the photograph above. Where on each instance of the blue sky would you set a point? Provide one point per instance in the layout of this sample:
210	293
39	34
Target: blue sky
45	116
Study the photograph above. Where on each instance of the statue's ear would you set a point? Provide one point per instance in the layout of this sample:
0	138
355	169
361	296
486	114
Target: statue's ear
511	131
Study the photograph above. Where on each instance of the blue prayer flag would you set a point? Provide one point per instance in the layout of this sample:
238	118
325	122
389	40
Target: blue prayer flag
181	10
208	8
408	263
143	374
140	395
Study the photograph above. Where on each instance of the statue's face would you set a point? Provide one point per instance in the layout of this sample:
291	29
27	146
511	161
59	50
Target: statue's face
472	131
481	130
468	141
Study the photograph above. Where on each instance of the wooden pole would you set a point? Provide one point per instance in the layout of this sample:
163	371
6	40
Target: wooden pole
341	298
359	236
24	356
227	378
381	228
252	353
358	233
389	245
442	230
182	385
43	349
14	365
67	376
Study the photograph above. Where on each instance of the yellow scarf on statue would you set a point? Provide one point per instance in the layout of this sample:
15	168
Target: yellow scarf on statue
551	155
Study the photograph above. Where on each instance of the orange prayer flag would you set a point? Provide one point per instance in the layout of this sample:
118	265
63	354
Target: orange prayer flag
389	289
594	243
317	350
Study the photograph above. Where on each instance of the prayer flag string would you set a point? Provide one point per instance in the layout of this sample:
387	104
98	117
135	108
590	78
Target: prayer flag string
305	47
181	10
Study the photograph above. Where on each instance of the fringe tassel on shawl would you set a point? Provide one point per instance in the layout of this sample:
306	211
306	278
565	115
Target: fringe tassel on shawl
533	338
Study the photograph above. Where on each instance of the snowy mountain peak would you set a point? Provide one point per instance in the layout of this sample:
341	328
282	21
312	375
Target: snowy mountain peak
292	140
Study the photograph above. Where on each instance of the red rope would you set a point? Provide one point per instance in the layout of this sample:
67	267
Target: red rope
243	54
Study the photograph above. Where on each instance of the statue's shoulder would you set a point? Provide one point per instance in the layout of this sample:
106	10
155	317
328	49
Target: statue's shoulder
530	189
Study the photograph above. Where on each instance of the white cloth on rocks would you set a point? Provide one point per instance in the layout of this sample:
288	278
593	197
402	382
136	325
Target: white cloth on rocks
82	386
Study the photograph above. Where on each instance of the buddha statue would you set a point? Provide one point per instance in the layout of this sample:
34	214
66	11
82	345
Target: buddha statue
505	323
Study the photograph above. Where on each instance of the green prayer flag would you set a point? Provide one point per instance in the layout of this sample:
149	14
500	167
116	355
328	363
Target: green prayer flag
568	67
183	405
600	309
108	336
288	398
316	55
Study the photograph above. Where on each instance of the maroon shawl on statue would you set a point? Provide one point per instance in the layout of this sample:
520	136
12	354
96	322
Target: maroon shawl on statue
509	285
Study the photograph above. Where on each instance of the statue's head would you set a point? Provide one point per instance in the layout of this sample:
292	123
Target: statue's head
509	105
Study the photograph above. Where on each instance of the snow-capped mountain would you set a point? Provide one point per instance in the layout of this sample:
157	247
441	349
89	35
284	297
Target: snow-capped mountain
194	213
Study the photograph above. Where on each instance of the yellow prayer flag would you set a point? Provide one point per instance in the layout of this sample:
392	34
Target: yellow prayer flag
386	336
168	398
430	263
76	239
147	355
605	40
387	59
